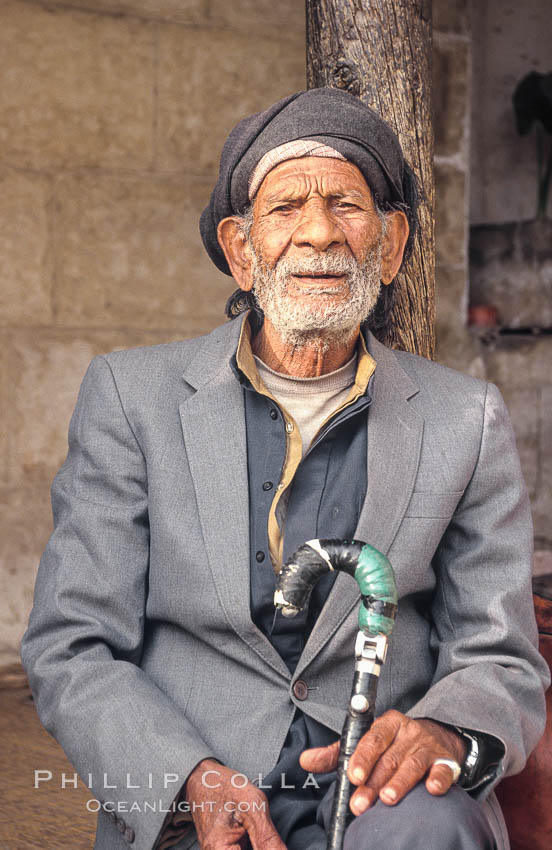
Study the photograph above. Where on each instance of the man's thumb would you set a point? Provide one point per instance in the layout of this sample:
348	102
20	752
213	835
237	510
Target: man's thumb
320	759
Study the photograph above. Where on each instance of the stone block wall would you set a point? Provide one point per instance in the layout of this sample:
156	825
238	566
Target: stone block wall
452	125
511	266
113	116
114	112
466	105
520	367
509	40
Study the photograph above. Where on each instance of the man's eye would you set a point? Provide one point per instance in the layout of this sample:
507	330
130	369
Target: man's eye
282	208
346	205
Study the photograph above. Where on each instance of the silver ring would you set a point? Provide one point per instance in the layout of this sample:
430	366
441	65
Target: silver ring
454	766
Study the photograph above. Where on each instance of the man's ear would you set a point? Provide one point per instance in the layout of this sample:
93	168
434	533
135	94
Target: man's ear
237	251
394	244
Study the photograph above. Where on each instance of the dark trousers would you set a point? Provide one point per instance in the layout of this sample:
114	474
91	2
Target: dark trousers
419	822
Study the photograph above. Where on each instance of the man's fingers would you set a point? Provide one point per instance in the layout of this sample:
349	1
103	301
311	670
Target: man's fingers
262	839
262	832
412	770
397	753
320	759
223	835
385	769
440	779
362	799
371	746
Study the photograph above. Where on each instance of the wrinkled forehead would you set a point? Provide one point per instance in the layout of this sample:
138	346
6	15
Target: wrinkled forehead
300	178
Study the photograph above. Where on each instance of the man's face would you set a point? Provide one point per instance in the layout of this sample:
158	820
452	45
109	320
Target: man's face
317	240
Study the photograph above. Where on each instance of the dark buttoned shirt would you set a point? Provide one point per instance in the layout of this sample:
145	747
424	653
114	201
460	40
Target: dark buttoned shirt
327	489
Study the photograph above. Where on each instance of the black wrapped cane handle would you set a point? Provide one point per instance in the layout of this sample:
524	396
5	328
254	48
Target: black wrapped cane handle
376	580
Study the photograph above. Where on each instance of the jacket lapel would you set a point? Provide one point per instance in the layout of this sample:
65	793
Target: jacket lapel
213	424
393	452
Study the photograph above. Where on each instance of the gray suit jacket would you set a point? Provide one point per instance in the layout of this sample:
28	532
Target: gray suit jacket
140	650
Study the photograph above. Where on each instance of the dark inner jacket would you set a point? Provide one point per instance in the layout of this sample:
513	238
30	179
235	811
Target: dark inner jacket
326	497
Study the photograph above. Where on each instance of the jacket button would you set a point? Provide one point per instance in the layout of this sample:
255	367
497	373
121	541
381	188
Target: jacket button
260	556
129	834
300	689
273	414
267	485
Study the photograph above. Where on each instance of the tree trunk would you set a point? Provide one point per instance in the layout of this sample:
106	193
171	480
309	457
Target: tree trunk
380	51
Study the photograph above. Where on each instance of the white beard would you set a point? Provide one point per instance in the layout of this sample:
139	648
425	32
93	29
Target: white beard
298	322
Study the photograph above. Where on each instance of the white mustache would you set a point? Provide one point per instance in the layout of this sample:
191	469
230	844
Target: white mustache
324	264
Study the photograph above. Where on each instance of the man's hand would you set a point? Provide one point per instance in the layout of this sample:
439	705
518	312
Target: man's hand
392	757
225	813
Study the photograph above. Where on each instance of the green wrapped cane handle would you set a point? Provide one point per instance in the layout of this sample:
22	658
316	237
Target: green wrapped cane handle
369	567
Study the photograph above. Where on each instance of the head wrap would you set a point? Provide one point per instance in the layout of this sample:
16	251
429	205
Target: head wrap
289	150
330	116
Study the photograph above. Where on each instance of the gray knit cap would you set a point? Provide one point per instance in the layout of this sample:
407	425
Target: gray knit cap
330	116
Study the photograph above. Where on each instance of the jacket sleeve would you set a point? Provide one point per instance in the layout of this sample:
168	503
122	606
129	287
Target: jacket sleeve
85	635
489	675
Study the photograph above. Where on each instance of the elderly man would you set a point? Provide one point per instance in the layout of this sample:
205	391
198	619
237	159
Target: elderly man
196	468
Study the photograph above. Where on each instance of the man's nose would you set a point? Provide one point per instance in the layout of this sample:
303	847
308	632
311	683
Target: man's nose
317	228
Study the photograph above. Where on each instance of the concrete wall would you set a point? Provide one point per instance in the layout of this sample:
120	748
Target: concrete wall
481	49
113	116
452	60
520	366
514	273
509	40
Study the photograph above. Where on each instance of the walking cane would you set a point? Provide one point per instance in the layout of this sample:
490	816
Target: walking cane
376	580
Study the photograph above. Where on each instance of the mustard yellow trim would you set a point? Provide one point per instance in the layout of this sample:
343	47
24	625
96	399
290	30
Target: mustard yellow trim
294	448
366	366
246	361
